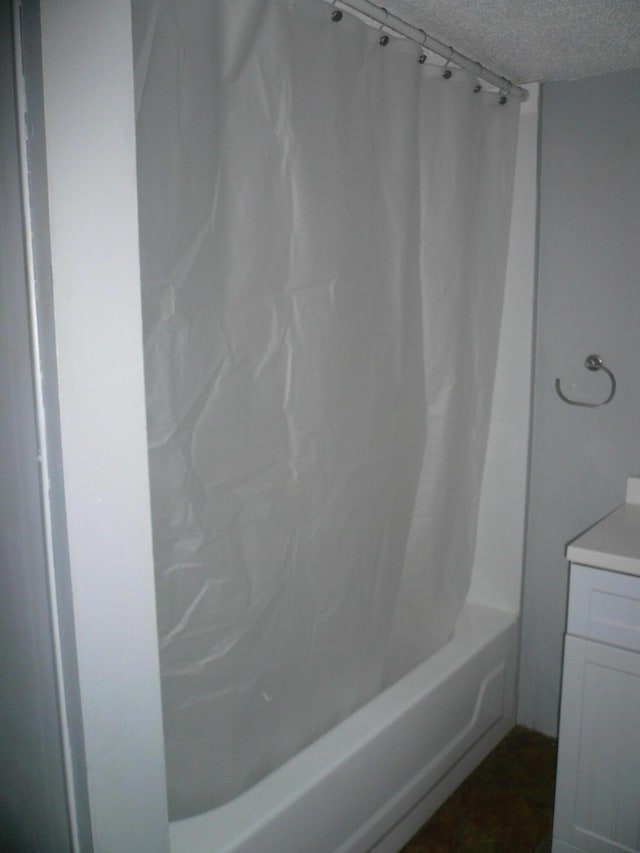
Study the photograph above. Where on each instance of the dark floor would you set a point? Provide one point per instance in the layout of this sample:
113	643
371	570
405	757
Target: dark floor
505	806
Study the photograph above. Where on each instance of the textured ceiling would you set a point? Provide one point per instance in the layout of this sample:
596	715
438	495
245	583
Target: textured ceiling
533	40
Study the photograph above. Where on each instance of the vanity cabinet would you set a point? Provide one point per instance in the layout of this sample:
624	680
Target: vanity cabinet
597	806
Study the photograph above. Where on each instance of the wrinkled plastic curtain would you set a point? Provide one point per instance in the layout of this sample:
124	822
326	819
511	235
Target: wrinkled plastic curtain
324	226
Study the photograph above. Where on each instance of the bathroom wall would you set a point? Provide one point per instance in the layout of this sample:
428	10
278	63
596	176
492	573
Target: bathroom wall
33	813
588	302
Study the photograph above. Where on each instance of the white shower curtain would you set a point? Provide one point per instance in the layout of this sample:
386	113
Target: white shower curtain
324	224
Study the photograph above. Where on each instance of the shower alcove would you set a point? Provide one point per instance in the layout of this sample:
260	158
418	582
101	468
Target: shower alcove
91	175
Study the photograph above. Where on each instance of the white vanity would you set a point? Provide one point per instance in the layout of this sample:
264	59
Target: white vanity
597	806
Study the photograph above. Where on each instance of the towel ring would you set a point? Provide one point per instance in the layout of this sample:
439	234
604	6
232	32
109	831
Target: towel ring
592	362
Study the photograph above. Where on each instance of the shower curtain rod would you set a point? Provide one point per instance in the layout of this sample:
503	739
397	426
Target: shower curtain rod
381	16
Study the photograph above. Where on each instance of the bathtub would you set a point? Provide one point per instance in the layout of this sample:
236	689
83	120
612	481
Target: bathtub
373	780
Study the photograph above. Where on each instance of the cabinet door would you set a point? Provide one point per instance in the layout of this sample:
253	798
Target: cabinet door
598	782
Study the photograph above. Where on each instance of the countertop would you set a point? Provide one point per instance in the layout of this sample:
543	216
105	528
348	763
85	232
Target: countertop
614	542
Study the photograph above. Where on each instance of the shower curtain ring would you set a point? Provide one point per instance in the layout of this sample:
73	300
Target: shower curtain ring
383	41
447	72
336	15
423	56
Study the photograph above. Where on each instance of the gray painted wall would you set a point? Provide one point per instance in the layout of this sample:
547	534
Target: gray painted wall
588	302
33	806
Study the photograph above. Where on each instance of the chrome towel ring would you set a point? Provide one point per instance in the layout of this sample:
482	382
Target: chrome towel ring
591	362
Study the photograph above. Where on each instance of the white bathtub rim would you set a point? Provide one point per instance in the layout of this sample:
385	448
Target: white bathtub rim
422	778
478	625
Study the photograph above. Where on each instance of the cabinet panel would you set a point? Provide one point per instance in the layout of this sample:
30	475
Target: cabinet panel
598	782
604	606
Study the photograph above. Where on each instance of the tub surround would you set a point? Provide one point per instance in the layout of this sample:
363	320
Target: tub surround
104	511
